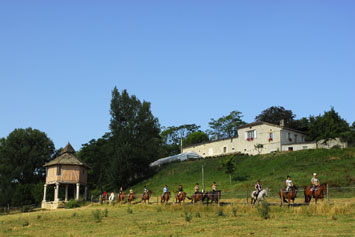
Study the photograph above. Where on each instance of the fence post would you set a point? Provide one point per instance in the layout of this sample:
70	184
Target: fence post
282	197
247	197
157	200
219	199
327	193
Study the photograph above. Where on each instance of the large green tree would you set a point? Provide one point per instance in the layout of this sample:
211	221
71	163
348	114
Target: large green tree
226	126
22	155
327	126
135	136
195	138
275	114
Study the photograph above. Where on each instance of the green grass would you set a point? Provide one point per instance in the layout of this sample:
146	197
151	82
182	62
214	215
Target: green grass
182	220
334	166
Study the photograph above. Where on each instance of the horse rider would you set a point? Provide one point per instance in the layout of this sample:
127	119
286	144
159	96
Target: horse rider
145	190
121	190
315	183
214	187
257	188
165	190
180	189
197	188
289	183
131	191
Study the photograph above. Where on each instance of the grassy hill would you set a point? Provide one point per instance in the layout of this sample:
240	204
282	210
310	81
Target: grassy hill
335	167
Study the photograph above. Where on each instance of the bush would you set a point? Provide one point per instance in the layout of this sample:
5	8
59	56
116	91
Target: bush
105	212
27	208
188	216
264	210
158	209
129	211
72	204
25	223
198	214
234	211
220	212
97	215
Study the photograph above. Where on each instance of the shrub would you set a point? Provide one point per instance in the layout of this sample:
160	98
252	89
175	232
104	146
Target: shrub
38	217
158	209
220	212
27	208
25	223
72	204
74	214
188	216
198	214
105	212
264	210
234	211
97	215
129	211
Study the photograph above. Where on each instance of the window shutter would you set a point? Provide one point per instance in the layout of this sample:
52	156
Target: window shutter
254	134
246	135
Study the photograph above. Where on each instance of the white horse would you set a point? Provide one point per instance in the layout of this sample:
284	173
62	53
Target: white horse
261	196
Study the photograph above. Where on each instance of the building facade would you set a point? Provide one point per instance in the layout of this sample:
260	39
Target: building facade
260	138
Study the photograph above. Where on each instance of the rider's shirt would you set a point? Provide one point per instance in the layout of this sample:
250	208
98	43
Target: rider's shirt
315	181
288	183
258	187
165	189
180	189
145	190
214	186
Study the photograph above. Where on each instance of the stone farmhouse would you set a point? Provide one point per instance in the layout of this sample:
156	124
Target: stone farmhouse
272	138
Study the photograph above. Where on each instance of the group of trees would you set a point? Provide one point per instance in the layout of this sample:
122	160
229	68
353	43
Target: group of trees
121	157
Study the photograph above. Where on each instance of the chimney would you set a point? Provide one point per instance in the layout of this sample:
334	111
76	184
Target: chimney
282	123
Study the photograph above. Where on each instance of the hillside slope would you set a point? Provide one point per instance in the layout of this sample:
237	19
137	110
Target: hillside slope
335	167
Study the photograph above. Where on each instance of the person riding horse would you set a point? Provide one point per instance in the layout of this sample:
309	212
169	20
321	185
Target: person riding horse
145	190
257	188
289	184
214	188
315	183
180	189
165	191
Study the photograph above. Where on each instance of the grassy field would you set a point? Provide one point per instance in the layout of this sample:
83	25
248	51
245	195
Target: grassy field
334	167
336	219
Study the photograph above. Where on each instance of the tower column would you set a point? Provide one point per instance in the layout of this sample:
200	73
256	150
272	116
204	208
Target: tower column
56	192
44	193
66	193
77	191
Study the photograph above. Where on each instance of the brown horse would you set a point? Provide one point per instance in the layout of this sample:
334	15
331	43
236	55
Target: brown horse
290	195
213	196
196	197
318	193
146	196
165	198
180	197
131	197
120	197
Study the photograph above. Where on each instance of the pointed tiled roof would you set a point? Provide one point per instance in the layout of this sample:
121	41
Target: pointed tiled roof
67	157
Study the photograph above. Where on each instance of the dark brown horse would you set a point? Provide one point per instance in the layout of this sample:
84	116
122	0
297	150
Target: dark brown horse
180	198
213	196
290	195
131	197
318	193
146	196
165	198
120	197
196	197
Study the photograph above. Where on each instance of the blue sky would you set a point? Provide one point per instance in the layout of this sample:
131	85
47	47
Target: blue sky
193	60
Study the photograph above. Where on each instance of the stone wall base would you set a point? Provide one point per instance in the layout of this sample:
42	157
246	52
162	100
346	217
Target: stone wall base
53	205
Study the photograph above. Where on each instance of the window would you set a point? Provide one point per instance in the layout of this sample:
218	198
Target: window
295	137
250	135
289	135
305	147
224	149
271	135
290	148
59	168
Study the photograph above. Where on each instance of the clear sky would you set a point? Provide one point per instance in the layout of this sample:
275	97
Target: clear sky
193	60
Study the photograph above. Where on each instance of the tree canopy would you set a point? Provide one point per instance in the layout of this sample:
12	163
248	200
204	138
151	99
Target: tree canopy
275	114
195	138
226	126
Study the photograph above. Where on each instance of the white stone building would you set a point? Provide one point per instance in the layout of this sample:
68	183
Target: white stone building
272	137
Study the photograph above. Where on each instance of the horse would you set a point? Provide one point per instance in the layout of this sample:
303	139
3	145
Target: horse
111	198
180	197
196	197
165	198
318	193
261	196
213	196
131	197
146	196
120	197
290	195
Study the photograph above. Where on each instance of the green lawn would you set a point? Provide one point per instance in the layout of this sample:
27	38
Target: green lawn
334	167
157	220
